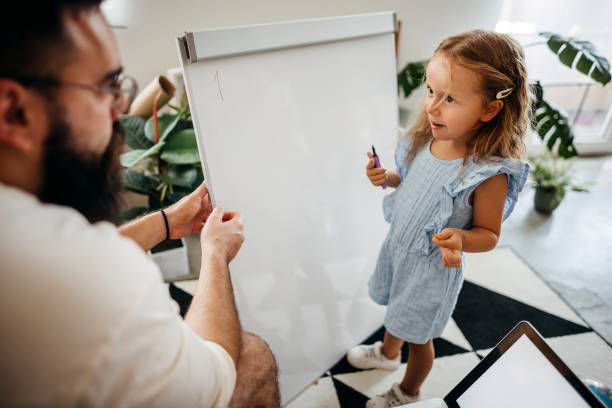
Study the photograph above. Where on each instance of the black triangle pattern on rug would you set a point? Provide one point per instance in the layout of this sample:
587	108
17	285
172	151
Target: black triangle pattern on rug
485	317
349	397
442	347
343	366
181	297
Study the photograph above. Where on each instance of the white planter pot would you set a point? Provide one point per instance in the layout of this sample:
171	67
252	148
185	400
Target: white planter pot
172	261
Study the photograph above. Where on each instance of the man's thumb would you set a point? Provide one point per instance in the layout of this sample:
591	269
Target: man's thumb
216	214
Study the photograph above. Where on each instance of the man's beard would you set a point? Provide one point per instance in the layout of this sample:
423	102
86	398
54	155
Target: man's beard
88	183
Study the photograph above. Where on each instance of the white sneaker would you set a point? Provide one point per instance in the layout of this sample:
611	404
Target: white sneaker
371	357
394	397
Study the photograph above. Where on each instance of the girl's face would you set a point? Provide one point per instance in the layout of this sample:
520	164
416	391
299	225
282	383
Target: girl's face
454	110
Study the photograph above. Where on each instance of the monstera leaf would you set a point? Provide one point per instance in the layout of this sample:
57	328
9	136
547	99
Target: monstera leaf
580	55
552	127
537	96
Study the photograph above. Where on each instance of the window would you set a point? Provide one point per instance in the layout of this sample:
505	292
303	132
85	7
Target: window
586	103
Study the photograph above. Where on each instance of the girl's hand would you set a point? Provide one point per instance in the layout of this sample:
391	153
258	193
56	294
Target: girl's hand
378	175
450	242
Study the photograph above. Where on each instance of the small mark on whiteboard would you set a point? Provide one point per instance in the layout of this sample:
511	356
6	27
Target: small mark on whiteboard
219	85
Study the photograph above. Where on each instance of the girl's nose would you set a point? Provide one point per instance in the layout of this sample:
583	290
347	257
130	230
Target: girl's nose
432	107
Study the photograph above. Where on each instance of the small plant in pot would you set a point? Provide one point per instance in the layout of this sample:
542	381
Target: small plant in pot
164	165
552	177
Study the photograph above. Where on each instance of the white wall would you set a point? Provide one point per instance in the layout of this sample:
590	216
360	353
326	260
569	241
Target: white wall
148	47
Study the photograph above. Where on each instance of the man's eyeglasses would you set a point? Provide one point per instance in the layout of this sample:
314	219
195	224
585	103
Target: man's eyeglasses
122	87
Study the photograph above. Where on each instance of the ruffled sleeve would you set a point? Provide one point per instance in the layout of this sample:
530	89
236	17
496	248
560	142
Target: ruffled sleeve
454	200
403	145
459	190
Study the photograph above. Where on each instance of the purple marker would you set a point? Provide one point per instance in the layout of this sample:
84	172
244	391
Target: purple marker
377	163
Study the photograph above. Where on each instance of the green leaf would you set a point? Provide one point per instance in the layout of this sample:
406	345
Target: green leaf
552	174
154	202
177	194
167	123
537	97
200	178
182	125
184	176
552	126
411	77
129	159
163	193
133	127
580	189
581	55
139	183
181	148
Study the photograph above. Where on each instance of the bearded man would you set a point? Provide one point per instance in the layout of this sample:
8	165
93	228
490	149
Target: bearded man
86	318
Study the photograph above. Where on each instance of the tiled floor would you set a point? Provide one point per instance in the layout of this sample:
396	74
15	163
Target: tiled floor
500	290
572	248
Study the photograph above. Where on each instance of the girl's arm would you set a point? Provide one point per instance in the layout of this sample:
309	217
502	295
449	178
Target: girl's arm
488	206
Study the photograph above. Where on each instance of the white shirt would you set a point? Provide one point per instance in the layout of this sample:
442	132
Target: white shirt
87	320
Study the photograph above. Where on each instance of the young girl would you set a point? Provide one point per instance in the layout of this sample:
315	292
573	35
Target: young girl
458	176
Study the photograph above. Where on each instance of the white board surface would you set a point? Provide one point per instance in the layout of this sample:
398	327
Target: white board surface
282	132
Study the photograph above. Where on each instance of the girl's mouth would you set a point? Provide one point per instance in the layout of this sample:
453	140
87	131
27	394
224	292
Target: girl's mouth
435	125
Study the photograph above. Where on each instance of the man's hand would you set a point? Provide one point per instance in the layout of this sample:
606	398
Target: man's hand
450	241
223	234
186	216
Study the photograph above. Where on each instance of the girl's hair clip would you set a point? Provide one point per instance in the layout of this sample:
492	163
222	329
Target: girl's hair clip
504	93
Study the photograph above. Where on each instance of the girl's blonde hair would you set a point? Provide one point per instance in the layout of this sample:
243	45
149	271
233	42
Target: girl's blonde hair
499	62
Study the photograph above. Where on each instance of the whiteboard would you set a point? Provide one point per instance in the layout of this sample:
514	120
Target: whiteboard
284	114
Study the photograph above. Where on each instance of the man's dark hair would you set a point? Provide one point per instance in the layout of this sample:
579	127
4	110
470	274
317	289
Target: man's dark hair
35	42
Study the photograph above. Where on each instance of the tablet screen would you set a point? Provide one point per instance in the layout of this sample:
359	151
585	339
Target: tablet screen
522	367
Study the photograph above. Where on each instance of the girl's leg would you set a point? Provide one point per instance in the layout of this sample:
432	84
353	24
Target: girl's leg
420	361
391	346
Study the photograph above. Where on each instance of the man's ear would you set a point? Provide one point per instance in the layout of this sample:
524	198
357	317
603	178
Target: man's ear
18	107
491	110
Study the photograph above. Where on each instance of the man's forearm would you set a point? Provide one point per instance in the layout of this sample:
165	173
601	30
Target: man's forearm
147	231
213	314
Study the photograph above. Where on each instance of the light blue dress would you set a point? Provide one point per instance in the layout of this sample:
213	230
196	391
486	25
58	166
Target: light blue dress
419	291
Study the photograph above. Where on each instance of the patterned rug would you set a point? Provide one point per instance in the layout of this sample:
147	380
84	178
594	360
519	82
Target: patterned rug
499	291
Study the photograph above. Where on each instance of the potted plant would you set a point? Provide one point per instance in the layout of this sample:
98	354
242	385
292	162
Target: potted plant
549	122
552	177
164	165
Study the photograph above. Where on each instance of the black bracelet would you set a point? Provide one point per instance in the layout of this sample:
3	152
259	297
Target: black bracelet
166	222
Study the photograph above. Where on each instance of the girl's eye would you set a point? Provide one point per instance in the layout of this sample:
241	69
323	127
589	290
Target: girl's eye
429	90
449	99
